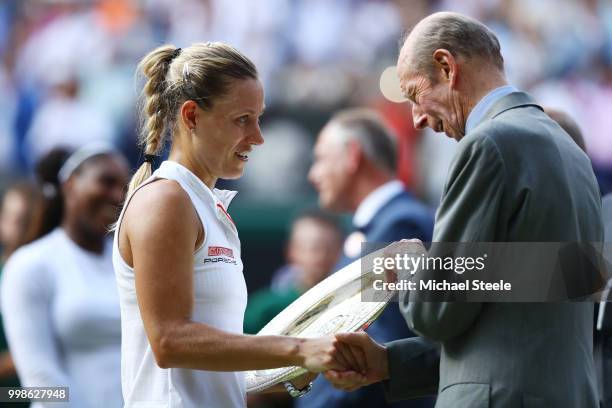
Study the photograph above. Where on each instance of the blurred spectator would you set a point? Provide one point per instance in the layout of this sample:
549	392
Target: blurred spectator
65	285
314	247
8	148
23	218
64	120
67	39
354	171
568	124
49	214
16	210
19	205
588	101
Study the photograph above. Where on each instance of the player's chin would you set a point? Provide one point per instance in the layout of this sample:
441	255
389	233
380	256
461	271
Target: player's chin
235	173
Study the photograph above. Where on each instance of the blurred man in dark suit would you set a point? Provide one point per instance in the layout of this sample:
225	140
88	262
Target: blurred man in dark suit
354	171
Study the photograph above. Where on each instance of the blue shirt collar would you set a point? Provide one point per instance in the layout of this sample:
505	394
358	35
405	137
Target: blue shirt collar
481	108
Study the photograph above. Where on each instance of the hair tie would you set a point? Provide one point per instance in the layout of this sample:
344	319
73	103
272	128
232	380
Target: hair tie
149	158
176	53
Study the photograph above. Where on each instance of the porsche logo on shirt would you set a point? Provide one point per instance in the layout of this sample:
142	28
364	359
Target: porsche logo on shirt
220	251
220	254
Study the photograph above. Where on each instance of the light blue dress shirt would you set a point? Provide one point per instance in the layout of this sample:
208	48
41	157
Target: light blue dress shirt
481	108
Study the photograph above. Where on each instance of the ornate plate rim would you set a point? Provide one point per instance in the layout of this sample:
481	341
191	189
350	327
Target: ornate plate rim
322	290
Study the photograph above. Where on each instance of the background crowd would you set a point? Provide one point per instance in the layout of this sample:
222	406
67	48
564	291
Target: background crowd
67	80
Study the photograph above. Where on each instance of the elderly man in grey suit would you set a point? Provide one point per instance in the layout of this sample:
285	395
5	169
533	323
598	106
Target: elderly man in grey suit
516	177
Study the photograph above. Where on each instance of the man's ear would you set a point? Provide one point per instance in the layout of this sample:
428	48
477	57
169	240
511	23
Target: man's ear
445	66
189	114
354	156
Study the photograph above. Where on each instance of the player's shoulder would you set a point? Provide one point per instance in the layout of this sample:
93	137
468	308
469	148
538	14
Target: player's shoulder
160	205
159	196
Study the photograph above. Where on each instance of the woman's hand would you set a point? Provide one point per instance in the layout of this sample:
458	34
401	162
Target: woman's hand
328	353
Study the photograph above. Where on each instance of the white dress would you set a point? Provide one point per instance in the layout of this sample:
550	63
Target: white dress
61	317
220	299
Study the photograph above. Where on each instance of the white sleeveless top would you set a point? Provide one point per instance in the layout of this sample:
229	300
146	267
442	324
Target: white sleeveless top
220	299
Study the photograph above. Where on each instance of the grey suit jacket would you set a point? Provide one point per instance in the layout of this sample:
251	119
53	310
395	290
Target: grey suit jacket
517	177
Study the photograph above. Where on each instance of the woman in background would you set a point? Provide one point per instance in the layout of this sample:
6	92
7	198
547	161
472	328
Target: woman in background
58	295
29	210
19	203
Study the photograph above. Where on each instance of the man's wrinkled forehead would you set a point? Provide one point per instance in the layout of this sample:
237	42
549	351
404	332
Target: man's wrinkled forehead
404	68
404	60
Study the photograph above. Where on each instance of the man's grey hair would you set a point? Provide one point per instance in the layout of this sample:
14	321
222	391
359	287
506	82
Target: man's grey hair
461	35
367	128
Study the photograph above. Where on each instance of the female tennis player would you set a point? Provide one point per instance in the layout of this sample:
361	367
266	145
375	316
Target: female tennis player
59	297
177	251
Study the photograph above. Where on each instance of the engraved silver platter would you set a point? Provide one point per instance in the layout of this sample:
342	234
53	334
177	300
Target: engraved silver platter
332	306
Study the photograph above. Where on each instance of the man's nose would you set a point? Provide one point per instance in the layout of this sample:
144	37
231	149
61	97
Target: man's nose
419	120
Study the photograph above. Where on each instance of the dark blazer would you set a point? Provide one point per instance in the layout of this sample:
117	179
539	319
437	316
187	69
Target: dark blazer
401	217
516	177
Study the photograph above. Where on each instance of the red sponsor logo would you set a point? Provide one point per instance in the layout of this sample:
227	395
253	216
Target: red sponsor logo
220	251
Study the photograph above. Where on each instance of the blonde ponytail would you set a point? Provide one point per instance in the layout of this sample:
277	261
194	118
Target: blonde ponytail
154	66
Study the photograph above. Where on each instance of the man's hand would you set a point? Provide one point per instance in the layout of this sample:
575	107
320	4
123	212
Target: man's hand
327	353
366	350
411	247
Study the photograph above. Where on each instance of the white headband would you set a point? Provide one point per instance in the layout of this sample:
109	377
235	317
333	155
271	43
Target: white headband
80	156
